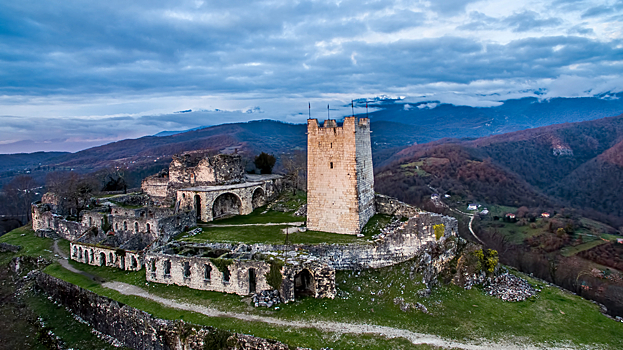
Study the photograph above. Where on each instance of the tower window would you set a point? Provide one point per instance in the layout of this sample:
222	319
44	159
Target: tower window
331	144
331	164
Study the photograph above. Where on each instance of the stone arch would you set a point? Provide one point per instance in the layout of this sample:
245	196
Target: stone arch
259	198
304	284
198	207
134	262
102	259
226	204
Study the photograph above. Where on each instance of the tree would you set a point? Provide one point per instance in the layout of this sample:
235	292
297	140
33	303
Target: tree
295	165
19	194
265	162
75	190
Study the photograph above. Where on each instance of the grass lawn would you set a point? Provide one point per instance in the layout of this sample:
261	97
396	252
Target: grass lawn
31	244
275	235
570	250
268	235
258	217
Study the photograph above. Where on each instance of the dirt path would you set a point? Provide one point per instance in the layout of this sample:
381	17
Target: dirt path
64	263
331	327
296	223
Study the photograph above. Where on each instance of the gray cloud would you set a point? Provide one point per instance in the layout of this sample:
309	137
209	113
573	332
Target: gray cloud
69	60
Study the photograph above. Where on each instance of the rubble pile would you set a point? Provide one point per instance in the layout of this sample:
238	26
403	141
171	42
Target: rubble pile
266	298
302	211
394	225
510	288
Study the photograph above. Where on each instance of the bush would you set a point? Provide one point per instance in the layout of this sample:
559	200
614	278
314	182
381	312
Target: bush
439	230
265	162
274	277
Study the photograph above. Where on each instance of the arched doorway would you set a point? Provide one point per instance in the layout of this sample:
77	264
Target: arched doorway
227	204
102	259
198	207
252	281
304	284
258	198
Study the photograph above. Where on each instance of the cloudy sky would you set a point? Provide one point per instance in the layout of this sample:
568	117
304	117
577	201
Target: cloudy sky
80	73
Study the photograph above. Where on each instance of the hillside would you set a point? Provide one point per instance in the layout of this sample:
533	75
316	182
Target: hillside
575	164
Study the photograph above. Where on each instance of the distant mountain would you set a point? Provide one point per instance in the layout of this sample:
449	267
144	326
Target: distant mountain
579	164
437	120
24	161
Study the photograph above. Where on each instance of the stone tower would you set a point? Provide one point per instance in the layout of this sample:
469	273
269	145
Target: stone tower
340	180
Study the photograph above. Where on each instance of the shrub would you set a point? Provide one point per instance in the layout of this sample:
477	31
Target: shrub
439	230
274	277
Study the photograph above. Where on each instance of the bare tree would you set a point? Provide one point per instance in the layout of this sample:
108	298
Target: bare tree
295	165
75	190
19	194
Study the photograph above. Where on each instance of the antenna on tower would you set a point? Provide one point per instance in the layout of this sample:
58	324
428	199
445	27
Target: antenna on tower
366	109
309	110
352	107
328	111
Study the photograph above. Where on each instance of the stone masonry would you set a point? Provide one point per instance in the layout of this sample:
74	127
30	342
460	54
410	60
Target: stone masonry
340	180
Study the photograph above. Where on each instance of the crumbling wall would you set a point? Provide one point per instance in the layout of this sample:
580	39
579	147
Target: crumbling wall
47	224
391	206
137	329
399	246
190	271
155	186
323	279
106	256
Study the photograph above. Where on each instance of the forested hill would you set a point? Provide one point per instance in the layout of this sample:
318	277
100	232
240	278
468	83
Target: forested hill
574	163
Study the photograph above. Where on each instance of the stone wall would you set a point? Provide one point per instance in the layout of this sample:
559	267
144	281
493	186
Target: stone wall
106	256
237	199
391	206
155	186
339	178
402	245
365	171
323	280
48	224
190	271
137	329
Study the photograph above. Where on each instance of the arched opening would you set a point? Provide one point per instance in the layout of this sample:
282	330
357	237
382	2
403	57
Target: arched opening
136	227
86	257
75	251
122	262
125	225
90	221
258	198
102	259
225	205
148	228
198	207
116	226
153	266
207	272
110	259
80	256
304	285
252	281
91	258
134	262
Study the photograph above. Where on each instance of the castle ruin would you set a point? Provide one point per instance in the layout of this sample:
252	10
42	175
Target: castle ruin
340	178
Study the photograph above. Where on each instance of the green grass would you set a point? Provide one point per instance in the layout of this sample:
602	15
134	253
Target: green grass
307	337
267	235
31	244
455	313
256	217
61	322
275	235
570	250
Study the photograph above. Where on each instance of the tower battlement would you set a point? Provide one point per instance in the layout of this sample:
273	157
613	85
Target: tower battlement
340	180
